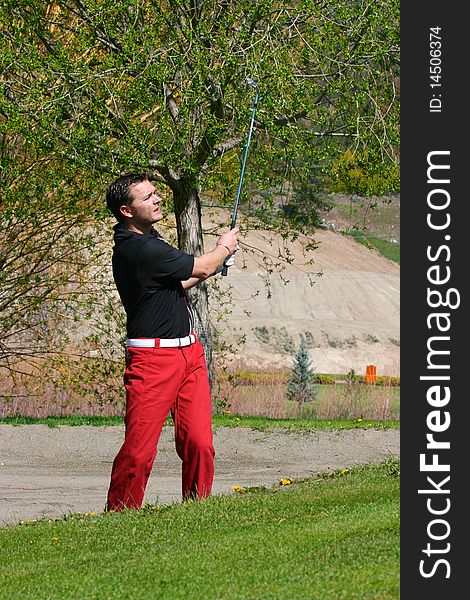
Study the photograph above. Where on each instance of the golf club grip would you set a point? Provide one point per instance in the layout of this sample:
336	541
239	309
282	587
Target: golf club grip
225	267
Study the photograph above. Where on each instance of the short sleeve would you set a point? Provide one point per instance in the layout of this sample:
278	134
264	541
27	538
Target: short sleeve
159	260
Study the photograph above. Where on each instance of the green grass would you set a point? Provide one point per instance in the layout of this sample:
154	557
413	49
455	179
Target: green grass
219	420
257	378
74	420
301	424
331	537
386	248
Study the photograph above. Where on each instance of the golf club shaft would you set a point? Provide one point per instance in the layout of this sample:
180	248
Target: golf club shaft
235	208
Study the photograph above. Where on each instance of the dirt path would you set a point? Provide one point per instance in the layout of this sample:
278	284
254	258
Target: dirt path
50	472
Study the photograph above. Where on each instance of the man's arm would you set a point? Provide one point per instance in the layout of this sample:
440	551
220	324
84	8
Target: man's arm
189	283
211	262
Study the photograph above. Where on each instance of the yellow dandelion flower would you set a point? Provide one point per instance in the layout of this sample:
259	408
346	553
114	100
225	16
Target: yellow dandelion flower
238	489
286	481
343	471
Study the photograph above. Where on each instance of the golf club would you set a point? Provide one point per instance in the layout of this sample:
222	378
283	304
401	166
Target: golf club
251	83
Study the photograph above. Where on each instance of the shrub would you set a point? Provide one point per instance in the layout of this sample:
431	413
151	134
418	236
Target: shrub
301	385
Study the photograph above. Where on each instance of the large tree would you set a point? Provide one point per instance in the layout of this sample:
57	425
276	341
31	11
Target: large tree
92	88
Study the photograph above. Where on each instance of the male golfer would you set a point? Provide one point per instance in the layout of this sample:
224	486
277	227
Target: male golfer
165	365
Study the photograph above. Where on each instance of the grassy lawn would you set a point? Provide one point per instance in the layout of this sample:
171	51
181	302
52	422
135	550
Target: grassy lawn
219	420
330	537
386	248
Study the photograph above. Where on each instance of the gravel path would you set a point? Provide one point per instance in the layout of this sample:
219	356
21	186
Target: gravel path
50	472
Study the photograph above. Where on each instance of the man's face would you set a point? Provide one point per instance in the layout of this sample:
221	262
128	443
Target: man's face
144	207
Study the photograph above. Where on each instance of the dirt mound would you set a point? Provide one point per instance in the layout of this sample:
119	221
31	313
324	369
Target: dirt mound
345	304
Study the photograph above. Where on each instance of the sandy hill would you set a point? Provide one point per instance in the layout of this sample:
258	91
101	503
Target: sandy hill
349	314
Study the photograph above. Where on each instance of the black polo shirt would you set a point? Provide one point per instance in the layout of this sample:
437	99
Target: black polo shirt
148	273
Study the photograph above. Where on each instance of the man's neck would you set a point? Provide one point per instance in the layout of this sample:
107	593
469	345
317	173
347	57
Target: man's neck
142	229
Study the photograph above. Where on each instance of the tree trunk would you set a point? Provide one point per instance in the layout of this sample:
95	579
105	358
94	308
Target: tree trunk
190	240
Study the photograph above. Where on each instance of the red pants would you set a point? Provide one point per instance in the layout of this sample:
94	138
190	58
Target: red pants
159	381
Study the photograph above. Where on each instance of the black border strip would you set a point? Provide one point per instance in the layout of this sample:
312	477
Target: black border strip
433	236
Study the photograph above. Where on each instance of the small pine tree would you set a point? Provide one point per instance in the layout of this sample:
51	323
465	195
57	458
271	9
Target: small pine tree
301	386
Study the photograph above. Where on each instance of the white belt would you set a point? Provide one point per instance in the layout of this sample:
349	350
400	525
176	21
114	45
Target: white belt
161	343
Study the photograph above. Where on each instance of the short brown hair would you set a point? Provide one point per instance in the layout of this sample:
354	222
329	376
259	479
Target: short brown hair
117	193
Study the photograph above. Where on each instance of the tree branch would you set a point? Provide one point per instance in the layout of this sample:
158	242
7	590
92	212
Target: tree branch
171	103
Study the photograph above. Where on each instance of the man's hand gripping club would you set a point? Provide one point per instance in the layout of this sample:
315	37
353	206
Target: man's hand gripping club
212	262
231	235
